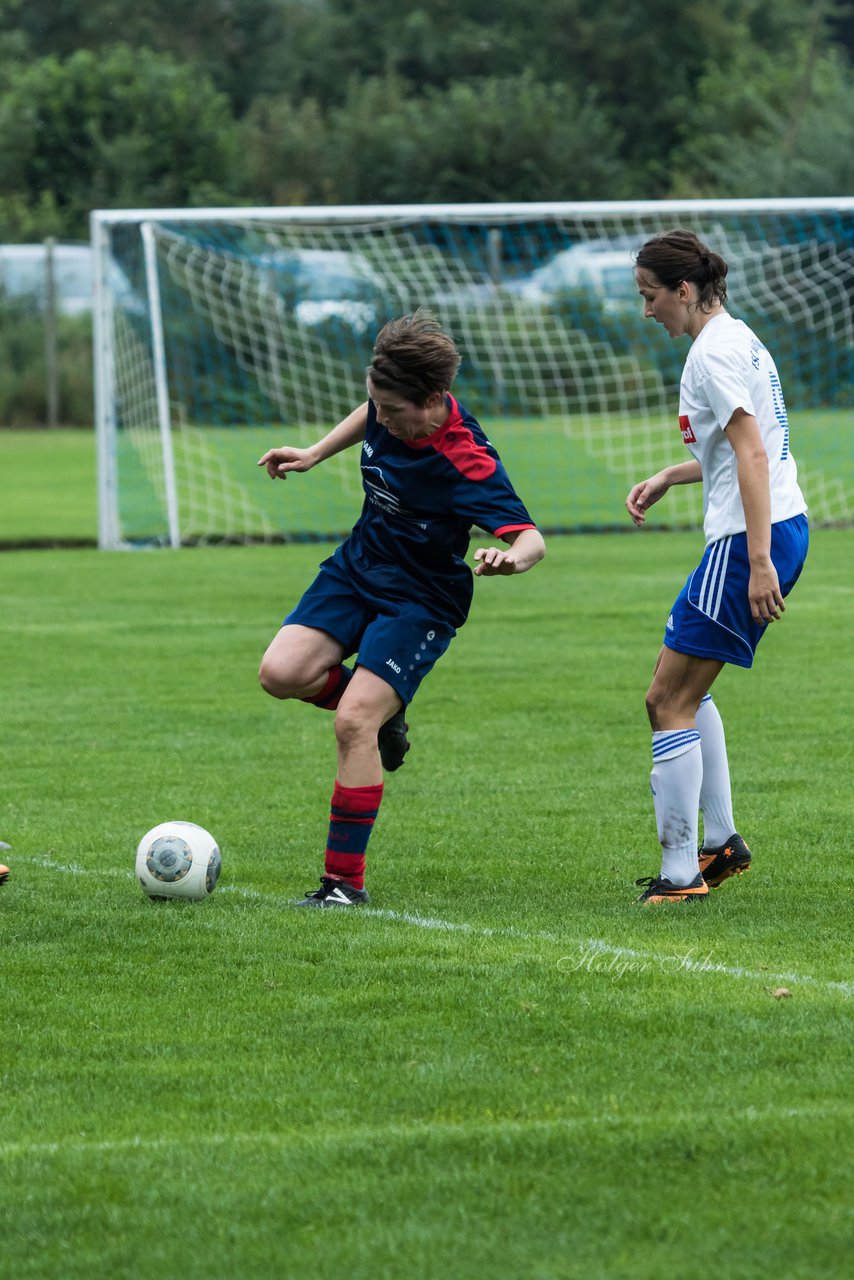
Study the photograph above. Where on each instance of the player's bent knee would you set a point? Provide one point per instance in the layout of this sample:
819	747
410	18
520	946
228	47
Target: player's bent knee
274	679
268	681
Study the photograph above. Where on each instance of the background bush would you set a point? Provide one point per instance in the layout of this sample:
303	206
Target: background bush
23	366
146	102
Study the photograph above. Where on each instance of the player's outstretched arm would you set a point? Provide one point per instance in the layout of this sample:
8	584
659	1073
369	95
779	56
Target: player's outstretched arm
526	549
647	492
279	462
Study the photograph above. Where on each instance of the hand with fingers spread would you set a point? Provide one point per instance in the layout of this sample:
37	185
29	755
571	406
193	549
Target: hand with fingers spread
493	561
525	550
280	461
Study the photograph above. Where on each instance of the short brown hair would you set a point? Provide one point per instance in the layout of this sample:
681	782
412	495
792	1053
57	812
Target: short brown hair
414	357
677	255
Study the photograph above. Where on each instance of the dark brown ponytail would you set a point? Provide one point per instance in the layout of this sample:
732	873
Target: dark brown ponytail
677	255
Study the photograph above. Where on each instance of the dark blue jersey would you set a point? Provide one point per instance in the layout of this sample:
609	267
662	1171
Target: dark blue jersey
421	499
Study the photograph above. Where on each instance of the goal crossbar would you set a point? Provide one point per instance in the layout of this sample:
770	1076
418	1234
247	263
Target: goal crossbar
221	331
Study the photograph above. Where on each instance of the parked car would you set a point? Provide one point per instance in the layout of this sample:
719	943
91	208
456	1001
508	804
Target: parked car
325	284
603	269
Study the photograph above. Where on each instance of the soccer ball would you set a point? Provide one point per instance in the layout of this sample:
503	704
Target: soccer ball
178	860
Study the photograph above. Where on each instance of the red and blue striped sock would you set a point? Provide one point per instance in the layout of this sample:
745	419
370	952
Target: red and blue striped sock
354	810
337	679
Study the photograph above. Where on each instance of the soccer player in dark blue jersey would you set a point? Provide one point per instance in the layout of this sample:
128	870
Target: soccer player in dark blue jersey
395	592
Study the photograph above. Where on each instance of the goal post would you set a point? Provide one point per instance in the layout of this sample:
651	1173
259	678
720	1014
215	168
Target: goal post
222	332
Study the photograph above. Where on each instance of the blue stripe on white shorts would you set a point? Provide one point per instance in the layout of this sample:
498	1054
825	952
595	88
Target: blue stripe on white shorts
711	617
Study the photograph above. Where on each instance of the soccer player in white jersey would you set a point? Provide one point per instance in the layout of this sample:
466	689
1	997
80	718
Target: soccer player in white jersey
733	419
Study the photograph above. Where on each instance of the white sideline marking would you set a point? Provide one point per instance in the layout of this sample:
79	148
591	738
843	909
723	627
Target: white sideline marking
609	949
441	1129
597	945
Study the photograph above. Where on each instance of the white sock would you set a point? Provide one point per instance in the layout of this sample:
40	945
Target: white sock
677	774
716	792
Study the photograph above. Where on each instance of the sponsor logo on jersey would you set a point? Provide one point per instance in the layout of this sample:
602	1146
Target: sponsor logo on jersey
379	494
378	491
367	448
391	663
686	429
670	623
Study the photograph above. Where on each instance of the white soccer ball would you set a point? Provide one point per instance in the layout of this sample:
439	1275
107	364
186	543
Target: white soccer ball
178	860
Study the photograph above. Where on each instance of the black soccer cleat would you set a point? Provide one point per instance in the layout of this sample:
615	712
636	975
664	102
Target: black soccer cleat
4	873
719	863
333	893
393	742
659	889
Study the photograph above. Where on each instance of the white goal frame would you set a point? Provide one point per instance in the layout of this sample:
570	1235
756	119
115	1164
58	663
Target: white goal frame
161	426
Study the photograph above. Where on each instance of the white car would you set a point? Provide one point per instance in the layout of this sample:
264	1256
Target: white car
325	284
605	271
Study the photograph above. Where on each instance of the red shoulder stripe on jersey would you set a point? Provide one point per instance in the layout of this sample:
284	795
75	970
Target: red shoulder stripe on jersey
511	528
454	440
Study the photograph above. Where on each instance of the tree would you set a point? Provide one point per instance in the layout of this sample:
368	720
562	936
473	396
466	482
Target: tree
128	128
501	138
245	47
771	125
415	100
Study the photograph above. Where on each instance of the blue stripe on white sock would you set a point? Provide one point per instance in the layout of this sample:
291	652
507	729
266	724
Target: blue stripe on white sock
666	745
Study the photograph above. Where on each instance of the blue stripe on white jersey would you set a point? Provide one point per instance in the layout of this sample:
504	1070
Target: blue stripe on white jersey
780	413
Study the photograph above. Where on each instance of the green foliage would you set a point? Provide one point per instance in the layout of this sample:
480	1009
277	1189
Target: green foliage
23	366
398	100
25	218
770	123
284	149
515	138
123	128
238	44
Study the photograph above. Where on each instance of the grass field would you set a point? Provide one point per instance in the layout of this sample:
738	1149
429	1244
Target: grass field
573	475
503	1067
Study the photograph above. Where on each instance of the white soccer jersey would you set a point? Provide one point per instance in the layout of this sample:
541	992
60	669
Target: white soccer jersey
728	368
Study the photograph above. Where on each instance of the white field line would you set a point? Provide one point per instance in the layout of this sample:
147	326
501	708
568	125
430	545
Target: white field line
442	1130
623	959
590	946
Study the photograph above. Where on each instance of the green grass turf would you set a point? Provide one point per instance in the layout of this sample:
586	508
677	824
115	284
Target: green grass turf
504	1067
47	486
575	478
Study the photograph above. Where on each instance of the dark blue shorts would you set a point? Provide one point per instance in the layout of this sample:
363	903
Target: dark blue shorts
399	640
711	617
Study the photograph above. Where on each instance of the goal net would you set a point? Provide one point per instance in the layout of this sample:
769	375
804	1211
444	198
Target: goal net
220	333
